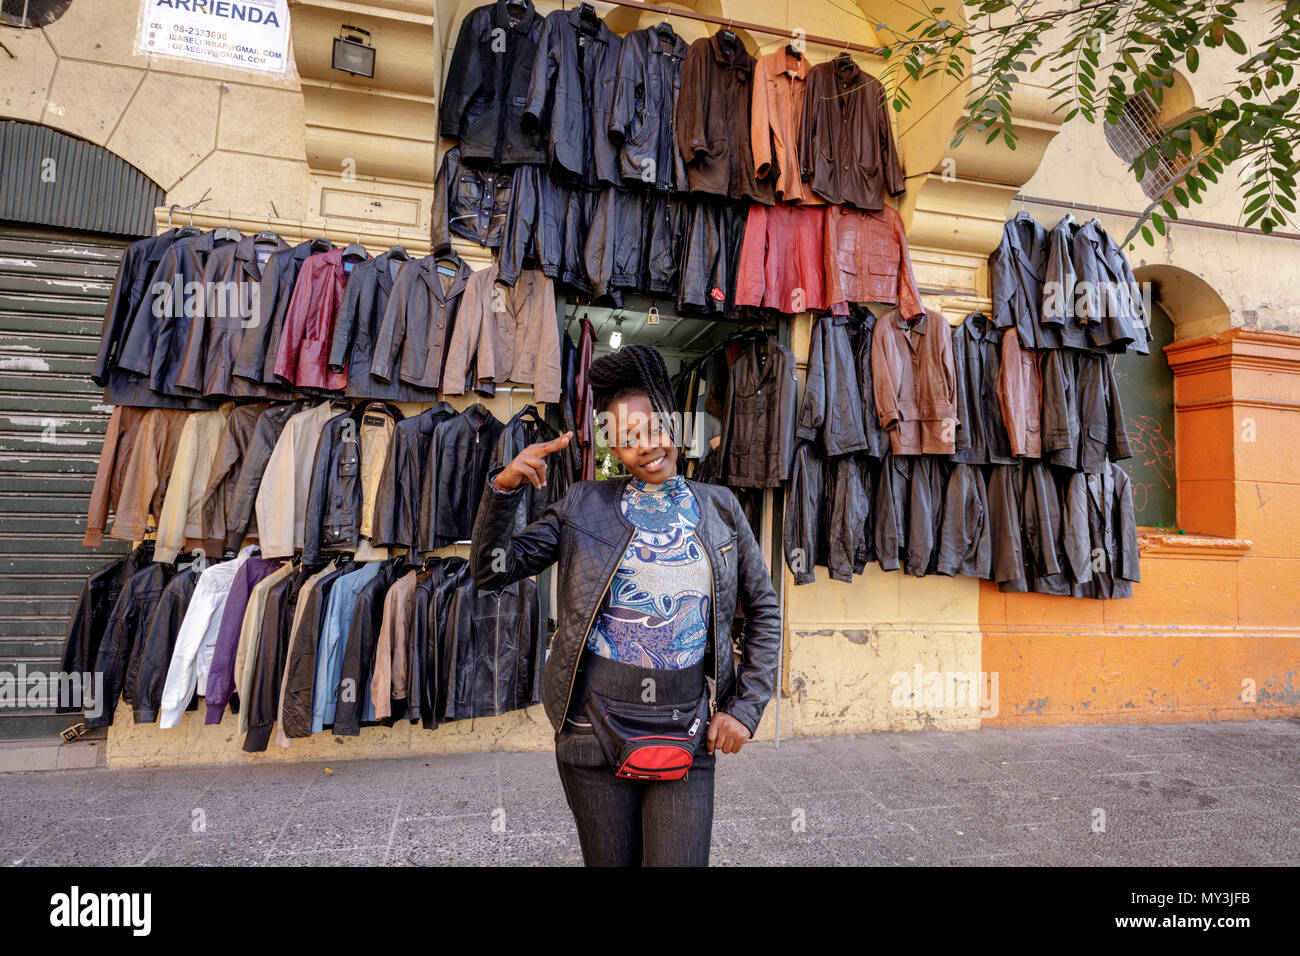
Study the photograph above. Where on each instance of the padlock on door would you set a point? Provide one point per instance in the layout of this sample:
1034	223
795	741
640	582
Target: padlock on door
652	317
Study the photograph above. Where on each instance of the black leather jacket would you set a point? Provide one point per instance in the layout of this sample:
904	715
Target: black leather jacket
459	458
334	498
832	408
483	101
127	630
570	95
255	359
587	534
147	675
470	202
122	387
495	648
397	501
524	429
99	594
642	117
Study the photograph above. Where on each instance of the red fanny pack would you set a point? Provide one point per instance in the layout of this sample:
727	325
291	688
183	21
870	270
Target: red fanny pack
648	741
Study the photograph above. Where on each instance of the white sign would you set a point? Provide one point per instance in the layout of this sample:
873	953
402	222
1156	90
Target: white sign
246	34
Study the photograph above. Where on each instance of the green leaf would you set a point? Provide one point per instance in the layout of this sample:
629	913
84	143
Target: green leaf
1159	223
1193	59
1146	234
1237	44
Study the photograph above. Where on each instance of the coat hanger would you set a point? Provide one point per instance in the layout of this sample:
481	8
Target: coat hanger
397	250
267	236
222	233
726	33
588	20
356	248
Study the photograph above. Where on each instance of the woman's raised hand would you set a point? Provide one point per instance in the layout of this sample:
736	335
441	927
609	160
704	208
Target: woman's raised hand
530	464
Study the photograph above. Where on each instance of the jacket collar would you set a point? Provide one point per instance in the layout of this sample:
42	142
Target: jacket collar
736	57
849	77
383	274
525	23
921	326
429	270
574	16
246	252
981	328
783	63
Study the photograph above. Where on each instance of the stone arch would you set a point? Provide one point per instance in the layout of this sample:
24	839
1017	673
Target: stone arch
1193	305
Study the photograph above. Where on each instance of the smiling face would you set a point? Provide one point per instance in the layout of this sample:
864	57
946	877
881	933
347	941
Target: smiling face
638	440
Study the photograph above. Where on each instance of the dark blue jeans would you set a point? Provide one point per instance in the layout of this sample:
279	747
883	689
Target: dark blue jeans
635	822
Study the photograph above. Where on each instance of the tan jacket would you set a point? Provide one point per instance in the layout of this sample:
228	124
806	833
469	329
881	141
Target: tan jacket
1020	396
250	636
388	683
282	497
144	484
915	382
119	442
511	334
780	88
180	526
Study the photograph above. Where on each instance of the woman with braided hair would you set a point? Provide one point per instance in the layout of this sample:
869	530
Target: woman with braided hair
652	567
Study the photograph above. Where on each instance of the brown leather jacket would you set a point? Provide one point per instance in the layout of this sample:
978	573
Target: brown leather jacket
1020	396
780	91
867	260
417	323
713	120
915	382
846	144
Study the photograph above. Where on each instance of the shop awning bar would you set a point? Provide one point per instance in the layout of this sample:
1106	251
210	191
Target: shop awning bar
731	23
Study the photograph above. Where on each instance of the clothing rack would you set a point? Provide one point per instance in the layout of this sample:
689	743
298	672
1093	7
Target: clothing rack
730	22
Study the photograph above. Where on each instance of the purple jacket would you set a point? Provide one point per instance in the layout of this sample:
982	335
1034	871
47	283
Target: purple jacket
221	677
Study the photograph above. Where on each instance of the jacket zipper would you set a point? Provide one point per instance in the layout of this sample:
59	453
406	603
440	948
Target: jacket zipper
573	675
713	615
496	661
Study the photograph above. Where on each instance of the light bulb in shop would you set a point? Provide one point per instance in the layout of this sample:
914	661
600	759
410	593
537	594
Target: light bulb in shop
615	339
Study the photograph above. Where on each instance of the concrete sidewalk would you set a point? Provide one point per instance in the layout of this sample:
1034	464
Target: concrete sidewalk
1162	794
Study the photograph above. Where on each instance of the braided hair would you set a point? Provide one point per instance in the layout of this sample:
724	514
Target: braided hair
631	370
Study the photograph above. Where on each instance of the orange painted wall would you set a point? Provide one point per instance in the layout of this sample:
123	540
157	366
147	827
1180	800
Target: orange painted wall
1212	631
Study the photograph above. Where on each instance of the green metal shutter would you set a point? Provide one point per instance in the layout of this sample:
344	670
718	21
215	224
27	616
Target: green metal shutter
54	287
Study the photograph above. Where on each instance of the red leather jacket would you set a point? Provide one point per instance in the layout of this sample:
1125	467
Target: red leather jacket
781	259
304	353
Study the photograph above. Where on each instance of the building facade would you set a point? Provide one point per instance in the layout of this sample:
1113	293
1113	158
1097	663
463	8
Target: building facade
1212	631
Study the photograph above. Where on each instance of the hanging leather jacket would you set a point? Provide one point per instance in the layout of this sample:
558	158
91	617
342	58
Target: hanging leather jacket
1017	268
459	458
759	416
255	360
1109	298
1041	522
925	496
1020	397
147	675
966	538
417	323
570	96
867	260
714	120
470	202
526	428
241	519
356	331
356	708
397	502
549	226
127	626
495	650
847	150
335	520
710	255
91	613
832	408
483	101
977	360
122	387
1059	323
300	666
850	544
647	84
303	356
227	465
861	330
805	513
1082	418
783	259
1099	523
161	323
232	277
915	382
272	657
1005	488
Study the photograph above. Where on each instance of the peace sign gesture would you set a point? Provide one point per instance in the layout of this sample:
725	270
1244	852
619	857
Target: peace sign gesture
530	464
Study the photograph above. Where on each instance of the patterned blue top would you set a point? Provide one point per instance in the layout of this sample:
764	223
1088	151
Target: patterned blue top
656	611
